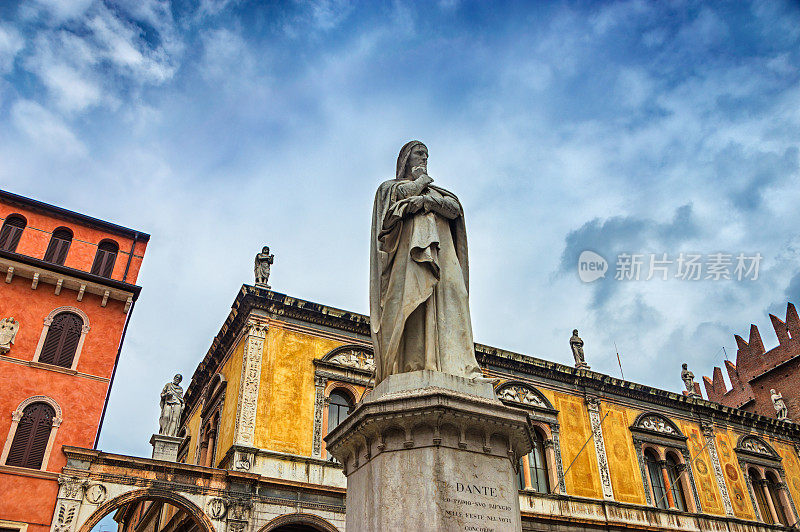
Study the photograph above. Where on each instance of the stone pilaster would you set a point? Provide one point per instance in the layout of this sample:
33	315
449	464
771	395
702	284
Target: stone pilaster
319	405
643	470
593	405
249	385
238	512
708	433
68	504
554	429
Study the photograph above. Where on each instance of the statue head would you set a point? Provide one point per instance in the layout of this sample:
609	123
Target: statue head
772	391
177	378
265	250
412	154
574	332
684	365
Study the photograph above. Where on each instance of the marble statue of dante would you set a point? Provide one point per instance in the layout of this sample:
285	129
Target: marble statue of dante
779	404
171	407
262	265
419	275
688	379
576	344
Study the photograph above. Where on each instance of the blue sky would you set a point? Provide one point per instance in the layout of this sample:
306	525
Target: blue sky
219	126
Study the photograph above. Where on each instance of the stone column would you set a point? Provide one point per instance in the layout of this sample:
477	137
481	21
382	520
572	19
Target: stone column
431	451
695	506
708	432
768	498
593	405
667	485
526	472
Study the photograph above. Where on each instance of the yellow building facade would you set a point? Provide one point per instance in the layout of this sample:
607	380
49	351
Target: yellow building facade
610	454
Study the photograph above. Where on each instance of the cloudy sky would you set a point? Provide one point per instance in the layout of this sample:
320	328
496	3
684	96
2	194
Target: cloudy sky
219	126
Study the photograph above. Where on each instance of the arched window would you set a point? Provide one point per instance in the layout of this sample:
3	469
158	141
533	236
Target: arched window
59	246
656	479
339	407
774	488
11	232
62	340
535	464
105	258
761	501
674	468
31	436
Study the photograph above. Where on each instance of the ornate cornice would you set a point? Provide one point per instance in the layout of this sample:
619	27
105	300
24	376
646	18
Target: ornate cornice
281	306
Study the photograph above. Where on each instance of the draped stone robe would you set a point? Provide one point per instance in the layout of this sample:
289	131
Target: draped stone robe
419	302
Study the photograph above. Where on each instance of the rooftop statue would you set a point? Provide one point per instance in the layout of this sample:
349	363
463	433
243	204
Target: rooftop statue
688	380
576	344
419	275
171	407
779	404
263	263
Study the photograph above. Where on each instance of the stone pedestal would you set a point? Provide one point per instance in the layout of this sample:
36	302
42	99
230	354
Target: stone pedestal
430	451
165	447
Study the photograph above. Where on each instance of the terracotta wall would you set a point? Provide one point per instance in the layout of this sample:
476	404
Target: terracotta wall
39	230
24	496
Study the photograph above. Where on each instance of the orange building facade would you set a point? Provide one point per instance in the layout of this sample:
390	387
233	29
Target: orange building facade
67	288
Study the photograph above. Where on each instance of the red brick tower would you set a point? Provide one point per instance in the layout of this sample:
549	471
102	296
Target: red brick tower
67	287
758	371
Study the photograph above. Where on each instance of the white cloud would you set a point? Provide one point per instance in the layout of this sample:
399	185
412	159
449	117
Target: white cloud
46	131
11	42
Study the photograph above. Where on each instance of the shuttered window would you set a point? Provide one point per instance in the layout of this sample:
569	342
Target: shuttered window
105	258
59	246
31	437
11	232
62	339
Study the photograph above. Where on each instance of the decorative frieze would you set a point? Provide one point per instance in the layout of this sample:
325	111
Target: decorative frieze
657	424
593	405
251	376
519	393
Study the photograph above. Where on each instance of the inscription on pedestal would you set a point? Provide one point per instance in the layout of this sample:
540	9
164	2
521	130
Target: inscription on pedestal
476	507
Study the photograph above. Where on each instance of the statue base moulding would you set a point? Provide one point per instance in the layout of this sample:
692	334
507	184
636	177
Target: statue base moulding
426	450
165	447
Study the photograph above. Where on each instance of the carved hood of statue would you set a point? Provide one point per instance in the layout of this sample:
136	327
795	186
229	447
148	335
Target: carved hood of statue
419	277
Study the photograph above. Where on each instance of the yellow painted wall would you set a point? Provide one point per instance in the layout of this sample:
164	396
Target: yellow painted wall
583	479
232	373
791	467
734	476
193	426
702	469
285	414
626	477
